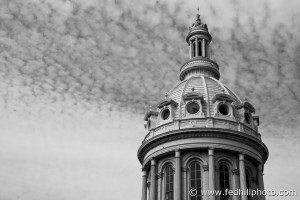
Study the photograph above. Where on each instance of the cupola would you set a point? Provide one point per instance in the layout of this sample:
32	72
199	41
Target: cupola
198	40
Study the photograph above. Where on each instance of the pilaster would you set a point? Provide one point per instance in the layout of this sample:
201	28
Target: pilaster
211	177
242	177
153	180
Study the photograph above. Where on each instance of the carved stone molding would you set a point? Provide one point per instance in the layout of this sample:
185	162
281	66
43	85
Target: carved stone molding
159	175
205	132
184	169
205	167
209	123
235	171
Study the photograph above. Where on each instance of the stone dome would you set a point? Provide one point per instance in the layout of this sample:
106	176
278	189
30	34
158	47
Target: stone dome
206	88
201	101
201	106
201	135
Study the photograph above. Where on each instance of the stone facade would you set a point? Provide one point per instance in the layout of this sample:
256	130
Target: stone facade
201	136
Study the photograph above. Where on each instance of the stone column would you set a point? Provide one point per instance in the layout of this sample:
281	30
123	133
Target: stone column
203	47
185	191
253	186
159	186
236	183
197	47
152	182
177	178
260	180
211	175
190	49
144	184
205	186
242	177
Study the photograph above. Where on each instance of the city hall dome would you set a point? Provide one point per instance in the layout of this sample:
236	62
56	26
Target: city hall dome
201	135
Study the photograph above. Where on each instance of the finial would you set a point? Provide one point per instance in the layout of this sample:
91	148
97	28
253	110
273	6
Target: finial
198	15
166	95
150	107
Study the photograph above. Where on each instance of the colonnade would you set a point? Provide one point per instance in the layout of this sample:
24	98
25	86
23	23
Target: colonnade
239	176
194	47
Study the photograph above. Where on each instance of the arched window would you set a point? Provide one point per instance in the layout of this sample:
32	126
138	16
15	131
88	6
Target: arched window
194	48
224	181
169	188
195	180
206	49
199	48
248	184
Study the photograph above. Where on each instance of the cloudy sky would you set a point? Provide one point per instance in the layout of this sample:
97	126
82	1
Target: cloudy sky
76	77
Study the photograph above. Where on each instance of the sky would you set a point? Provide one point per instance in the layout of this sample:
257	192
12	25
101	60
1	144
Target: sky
76	78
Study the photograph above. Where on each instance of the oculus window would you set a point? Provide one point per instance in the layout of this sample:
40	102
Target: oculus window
192	107
165	114
223	109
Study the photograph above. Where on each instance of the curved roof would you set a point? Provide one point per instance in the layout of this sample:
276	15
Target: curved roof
210	95
207	87
200	107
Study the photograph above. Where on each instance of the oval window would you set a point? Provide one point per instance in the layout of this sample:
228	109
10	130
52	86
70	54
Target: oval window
223	109
192	108
247	118
165	114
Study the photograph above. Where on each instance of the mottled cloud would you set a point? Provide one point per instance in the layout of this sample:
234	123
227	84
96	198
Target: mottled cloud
85	71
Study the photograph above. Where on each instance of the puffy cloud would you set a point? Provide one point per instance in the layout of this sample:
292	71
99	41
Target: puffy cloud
98	64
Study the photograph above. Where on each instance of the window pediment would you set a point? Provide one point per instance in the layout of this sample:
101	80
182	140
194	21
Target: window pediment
166	102
149	114
256	119
192	95
247	106
222	97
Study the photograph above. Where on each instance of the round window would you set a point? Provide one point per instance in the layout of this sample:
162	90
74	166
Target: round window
165	114
192	108
247	118
223	109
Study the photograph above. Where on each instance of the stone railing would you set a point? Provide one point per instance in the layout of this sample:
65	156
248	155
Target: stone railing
202	123
199	62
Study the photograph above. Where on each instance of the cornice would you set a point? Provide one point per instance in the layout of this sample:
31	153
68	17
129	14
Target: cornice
195	123
203	132
201	60
205	167
201	63
198	32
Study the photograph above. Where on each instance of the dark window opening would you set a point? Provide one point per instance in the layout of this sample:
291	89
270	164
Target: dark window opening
195	180
224	182
248	185
223	109
247	118
169	183
199	48
165	114
194	49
